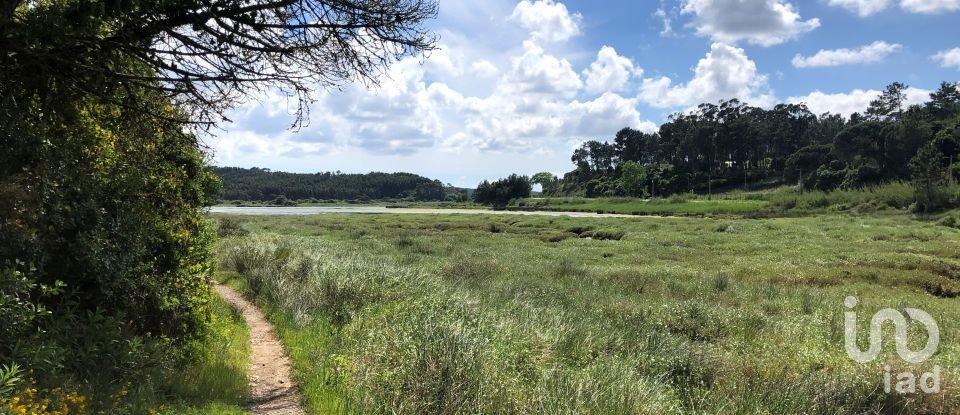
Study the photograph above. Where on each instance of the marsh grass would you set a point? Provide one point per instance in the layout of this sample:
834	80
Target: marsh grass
412	318
211	380
721	282
680	205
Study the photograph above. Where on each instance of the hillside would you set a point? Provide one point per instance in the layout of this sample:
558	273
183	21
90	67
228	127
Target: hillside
256	184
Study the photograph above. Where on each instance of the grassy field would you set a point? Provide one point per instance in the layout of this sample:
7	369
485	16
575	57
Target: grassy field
215	382
482	314
675	206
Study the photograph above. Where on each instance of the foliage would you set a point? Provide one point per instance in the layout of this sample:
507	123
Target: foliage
718	147
109	241
206	56
674	318
10	377
549	183
104	249
674	206
33	401
897	195
502	191
264	185
227	227
929	178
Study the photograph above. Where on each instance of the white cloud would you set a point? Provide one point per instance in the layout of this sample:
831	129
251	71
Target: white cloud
724	73
610	72
546	20
667	22
861	7
866	8
760	22
854	101
484	69
537	72
535	104
873	53
595	117
948	58
930	6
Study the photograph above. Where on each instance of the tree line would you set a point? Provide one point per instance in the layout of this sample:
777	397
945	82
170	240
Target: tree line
732	144
257	184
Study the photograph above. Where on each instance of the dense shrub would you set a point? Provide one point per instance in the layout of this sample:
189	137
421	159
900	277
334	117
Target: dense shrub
608	235
227	227
501	192
896	195
107	206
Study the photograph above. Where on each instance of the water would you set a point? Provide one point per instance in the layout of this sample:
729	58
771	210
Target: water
320	210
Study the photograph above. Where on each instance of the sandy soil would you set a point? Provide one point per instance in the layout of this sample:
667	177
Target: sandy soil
272	391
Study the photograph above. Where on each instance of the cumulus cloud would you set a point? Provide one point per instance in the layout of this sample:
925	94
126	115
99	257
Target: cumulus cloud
521	99
854	101
537	72
873	53
593	118
484	69
861	7
948	58
610	72
724	73
866	8
546	20
760	22
930	6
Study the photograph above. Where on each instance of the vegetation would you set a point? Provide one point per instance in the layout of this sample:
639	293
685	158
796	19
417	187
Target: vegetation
779	201
730	145
212	381
104	250
283	188
502	191
674	206
494	314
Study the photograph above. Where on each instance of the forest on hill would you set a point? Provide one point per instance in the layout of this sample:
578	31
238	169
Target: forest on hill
257	184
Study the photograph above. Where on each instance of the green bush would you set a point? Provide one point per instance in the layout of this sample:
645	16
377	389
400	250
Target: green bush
949	220
579	230
897	195
227	227
554	237
608	235
113	216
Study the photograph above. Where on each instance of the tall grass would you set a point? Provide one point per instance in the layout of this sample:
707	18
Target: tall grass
211	380
479	322
897	195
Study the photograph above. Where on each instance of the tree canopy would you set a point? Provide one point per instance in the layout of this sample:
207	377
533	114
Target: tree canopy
732	144
206	55
500	192
265	185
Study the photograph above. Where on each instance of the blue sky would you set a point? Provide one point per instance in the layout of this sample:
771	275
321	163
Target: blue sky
515	86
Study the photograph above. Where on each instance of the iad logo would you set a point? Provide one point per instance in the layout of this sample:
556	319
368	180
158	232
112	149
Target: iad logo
906	381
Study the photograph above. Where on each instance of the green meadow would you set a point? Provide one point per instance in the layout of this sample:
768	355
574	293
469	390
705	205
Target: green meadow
443	314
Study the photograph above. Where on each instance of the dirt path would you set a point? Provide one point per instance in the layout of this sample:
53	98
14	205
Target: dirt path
272	392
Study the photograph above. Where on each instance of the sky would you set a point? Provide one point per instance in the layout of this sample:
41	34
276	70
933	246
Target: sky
514	87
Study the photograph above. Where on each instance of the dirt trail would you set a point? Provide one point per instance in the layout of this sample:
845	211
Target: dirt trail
272	392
